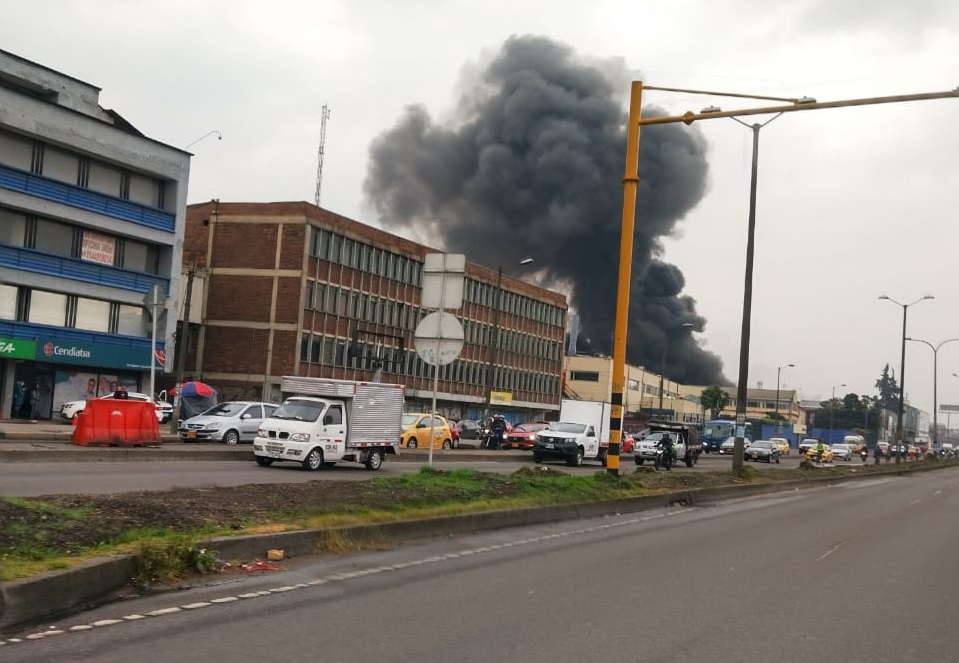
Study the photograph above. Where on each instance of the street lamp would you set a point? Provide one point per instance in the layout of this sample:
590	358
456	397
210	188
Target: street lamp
492	353
935	385
902	372
779	370
832	409
631	184
685	325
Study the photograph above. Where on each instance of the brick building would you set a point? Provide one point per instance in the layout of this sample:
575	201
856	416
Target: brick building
293	289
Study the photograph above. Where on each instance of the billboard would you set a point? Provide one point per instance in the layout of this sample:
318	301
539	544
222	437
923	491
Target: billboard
949	408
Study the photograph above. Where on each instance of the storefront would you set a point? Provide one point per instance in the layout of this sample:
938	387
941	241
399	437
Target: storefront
38	376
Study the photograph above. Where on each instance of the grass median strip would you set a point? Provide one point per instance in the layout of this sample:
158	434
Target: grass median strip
163	528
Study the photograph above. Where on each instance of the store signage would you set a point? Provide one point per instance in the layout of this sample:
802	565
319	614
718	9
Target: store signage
102	355
17	348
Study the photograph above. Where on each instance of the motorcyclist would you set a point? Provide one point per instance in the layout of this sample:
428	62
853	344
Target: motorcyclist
864	453
666	444
877	454
820	450
497	427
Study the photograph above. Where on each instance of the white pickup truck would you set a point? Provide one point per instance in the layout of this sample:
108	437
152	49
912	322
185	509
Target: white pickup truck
332	420
571	441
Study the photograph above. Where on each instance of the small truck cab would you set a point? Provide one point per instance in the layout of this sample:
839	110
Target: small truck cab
326	421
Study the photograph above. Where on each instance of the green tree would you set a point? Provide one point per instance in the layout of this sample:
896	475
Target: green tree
888	390
714	399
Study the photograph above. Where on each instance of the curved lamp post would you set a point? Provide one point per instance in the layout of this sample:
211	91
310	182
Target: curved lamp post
935	384
902	373
779	370
832	409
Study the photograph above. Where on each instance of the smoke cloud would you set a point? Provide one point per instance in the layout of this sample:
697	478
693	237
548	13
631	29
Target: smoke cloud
530	165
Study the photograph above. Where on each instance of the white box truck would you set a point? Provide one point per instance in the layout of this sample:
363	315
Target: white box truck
323	421
582	432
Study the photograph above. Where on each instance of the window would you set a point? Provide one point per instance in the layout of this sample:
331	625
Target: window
104	179
132	321
93	314
8	302
16	151
143	189
13	225
584	376
53	237
47	308
140	257
61	166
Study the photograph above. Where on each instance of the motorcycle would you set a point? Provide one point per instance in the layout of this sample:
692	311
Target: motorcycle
664	456
864	454
492	440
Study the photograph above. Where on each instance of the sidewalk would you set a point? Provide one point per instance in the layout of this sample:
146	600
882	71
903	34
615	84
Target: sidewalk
25	430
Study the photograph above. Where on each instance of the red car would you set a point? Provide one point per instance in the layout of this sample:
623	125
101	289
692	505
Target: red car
523	435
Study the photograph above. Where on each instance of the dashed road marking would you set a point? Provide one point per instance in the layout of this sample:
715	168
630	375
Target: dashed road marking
339	577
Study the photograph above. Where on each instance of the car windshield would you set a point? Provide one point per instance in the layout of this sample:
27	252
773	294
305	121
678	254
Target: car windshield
566	427
224	410
840	447
410	419
299	410
529	428
761	444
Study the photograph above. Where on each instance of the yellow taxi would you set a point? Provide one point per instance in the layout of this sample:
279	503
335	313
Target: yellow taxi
782	443
416	431
813	456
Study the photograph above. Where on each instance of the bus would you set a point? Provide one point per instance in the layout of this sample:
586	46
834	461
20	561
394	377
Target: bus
717	431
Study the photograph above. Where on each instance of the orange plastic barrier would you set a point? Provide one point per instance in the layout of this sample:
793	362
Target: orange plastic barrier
116	422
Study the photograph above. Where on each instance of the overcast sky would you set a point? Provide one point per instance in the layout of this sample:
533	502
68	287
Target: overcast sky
852	203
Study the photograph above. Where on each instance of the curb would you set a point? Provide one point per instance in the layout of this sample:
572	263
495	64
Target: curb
57	593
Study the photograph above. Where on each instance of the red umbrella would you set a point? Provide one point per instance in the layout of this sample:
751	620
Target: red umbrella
195	389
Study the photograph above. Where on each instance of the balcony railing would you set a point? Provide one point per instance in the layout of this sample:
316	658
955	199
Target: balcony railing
75	196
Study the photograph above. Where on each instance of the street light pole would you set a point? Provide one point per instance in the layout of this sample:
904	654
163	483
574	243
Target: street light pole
492	353
779	370
902	373
832	410
630	182
935	384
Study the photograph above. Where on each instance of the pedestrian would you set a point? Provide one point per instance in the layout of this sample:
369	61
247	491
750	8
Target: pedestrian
19	395
877	454
35	401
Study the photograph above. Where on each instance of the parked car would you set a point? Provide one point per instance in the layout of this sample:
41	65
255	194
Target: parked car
416	432
729	444
231	422
842	452
628	443
523	436
467	429
763	450
782	443
164	410
813	456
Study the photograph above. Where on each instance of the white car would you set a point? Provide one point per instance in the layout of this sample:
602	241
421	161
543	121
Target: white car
729	445
164	410
231	422
842	452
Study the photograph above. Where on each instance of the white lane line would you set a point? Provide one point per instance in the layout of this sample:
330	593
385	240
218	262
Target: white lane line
914	502
829	552
938	492
358	574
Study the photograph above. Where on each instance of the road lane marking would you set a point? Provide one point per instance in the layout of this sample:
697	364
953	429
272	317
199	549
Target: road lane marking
350	575
829	552
914	502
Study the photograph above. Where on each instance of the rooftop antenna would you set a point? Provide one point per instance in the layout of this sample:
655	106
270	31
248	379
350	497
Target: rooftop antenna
324	115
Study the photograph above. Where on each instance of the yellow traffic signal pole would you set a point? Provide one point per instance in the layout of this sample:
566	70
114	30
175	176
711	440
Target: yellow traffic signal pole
630	185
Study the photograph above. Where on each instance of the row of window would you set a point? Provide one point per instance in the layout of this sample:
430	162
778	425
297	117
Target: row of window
64	239
330	351
75	169
336	248
343	302
57	309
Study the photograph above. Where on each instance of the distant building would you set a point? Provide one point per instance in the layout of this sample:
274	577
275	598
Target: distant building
91	212
294	289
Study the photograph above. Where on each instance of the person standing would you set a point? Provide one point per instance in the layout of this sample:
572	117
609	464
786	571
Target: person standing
35	401
19	396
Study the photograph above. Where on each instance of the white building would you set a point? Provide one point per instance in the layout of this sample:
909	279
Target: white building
92	214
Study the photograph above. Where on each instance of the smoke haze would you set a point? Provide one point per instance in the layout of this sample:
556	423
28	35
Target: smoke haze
530	165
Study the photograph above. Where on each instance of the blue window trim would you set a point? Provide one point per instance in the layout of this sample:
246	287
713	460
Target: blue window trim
21	181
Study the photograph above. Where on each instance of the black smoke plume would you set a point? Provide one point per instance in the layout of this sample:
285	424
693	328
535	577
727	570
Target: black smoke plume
531	165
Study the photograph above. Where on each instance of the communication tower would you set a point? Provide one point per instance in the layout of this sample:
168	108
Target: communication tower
324	115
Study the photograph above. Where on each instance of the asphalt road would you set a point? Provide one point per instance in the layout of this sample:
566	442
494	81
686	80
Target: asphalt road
857	573
92	478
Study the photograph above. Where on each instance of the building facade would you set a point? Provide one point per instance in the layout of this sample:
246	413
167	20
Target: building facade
293	289
90	215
